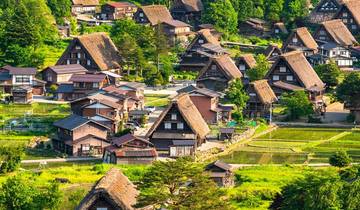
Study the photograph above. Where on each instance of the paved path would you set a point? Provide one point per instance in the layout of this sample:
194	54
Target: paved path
43	99
54	160
335	112
152	118
235	166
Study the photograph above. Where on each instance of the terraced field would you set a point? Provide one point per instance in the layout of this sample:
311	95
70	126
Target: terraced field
298	145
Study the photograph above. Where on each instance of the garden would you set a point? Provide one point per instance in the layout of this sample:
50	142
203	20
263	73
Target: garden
158	100
297	145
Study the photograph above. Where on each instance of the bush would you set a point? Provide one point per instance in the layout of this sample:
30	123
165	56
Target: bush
340	159
11	158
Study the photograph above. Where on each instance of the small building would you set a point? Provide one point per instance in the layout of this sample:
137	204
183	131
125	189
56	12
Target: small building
261	98
179	129
188	11
272	52
300	39
350	15
130	149
245	63
117	10
22	94
279	29
254	27
325	11
331	51
204	46
291	72
335	31
95	52
84	6
177	32
207	102
80	136
113	191
61	73
221	173
114	78
217	74
226	133
152	15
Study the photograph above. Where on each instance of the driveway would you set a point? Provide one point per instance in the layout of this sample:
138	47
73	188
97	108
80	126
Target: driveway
43	99
335	113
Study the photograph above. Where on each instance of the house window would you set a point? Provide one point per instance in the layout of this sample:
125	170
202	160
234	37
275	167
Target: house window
49	78
173	117
213	67
201	41
242	67
345	21
277	31
95	85
88	62
252	94
85	147
275	77
22	79
353	27
141	14
282	69
78	47
79	55
289	78
67	62
294	40
101	208
180	126
77	61
345	14
322	32
168	126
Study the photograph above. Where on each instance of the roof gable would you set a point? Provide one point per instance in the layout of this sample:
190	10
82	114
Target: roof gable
157	14
225	64
354	7
73	122
264	91
338	32
305	37
249	60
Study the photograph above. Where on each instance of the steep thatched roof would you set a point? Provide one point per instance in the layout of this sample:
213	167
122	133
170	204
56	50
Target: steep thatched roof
157	14
354	7
190	114
226	64
305	37
249	60
339	32
264	91
115	188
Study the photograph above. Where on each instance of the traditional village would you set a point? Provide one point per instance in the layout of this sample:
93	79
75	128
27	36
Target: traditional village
180	104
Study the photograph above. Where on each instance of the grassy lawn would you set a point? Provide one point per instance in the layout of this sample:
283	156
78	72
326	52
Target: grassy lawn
257	186
53	52
297	145
81	176
156	100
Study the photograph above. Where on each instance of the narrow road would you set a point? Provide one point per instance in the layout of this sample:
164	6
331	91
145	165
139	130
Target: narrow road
55	160
236	166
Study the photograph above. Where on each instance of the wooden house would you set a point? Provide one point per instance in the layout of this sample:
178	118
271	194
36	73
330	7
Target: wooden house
113	191
261	98
331	51
177	32
325	11
61	73
335	31
83	84
152	15
221	173
254	27
279	29
200	50
188	11
179	129
84	6
272	52
80	136
226	133
95	52
23	80
291	72
300	39
136	99
350	15
130	149
217	74
245	63
207	102
117	10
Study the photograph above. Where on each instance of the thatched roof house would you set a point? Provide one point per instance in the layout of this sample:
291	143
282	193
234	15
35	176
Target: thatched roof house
113	191
300	39
153	14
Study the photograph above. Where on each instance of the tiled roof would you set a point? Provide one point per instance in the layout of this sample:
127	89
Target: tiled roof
87	77
68	69
20	70
73	121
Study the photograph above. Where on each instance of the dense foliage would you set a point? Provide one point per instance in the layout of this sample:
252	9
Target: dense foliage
180	184
329	73
10	158
237	95
349	90
297	104
340	159
260	70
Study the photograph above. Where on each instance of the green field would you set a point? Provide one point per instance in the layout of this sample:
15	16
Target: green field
297	145
156	100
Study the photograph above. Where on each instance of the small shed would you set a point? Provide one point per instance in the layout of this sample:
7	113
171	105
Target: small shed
22	94
181	148
221	173
226	133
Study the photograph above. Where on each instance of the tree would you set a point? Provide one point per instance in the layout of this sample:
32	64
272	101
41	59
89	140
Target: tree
340	159
180	184
315	192
295	10
349	90
222	15
297	104
244	9
61	9
260	70
329	73
22	194
10	158
238	96
274	9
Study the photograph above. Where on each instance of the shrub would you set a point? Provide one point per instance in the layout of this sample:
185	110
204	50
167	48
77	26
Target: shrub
340	159
11	158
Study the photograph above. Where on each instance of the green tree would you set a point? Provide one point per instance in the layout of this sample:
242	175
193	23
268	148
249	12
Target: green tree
295	10
244	9
260	70
222	15
180	184
329	73
22	194
10	158
237	95
61	9
297	104
340	159
349	90
274	9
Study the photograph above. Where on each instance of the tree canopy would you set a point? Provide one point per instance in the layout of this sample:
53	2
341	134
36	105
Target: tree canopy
329	73
260	70
297	104
349	90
